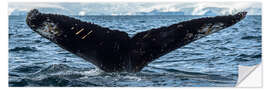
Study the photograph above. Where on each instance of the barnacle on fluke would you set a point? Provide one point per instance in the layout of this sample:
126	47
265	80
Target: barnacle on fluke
114	50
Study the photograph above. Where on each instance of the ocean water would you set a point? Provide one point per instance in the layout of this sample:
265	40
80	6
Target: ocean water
209	62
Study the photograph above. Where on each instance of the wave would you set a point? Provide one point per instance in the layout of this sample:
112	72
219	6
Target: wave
23	49
251	37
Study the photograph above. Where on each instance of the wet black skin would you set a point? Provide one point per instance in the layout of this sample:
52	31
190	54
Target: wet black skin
114	50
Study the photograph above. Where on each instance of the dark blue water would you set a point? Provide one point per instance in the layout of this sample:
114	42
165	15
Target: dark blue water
210	61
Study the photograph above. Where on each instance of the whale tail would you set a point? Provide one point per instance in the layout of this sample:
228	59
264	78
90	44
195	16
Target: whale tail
114	50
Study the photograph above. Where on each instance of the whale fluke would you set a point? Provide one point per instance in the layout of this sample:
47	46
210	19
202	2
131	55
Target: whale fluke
114	50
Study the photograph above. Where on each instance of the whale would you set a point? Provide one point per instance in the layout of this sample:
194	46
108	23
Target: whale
116	51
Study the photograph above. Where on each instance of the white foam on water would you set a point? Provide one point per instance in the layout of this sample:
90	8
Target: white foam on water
92	72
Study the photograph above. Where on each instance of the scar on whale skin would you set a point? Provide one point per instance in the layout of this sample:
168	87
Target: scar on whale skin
113	50
79	31
86	35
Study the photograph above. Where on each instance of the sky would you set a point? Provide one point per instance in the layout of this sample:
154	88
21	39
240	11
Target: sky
133	8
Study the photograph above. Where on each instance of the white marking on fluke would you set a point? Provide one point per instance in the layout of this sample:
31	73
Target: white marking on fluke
49	30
